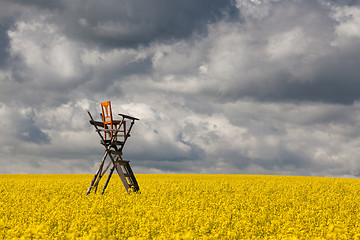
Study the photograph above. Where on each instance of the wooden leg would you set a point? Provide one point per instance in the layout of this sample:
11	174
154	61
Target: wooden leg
101	175
108	179
97	172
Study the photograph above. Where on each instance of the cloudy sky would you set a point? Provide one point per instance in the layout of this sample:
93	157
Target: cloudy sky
220	86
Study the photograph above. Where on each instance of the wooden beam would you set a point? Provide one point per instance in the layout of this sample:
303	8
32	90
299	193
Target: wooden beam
129	117
109	130
97	123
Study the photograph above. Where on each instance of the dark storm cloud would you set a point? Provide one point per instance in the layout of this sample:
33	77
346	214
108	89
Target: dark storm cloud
31	133
335	81
27	130
348	2
133	23
42	4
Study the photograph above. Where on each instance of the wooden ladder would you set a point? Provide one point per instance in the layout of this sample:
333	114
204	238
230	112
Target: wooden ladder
127	176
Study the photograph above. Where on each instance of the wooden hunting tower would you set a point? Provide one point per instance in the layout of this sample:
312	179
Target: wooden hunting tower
113	135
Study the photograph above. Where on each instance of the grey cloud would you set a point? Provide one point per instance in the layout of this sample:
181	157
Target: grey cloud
28	131
257	87
336	83
31	133
5	25
284	57
348	2
41	4
254	137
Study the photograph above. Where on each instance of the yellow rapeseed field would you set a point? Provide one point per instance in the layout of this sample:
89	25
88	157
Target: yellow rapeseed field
180	207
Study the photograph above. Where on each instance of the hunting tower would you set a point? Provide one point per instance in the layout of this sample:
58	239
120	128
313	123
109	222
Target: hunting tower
113	136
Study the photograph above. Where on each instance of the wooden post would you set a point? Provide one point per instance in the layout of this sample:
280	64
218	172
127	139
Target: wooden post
108	179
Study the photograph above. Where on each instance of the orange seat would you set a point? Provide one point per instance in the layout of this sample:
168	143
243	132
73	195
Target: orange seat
107	118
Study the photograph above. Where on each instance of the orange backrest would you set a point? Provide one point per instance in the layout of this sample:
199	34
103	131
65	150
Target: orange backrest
106	112
107	116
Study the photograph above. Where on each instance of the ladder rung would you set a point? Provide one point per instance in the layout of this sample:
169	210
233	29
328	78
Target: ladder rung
109	130
123	162
116	152
107	142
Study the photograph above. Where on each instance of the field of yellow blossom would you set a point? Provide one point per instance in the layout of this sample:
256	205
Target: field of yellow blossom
180	207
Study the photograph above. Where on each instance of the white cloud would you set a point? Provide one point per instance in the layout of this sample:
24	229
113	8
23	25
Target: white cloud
254	9
51	58
284	45
347	29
